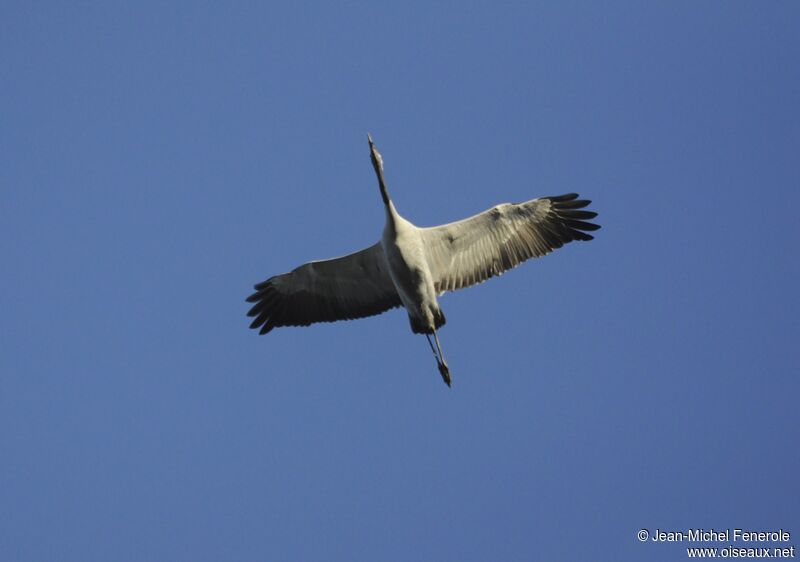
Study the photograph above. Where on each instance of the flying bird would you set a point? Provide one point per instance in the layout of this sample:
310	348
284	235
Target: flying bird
411	266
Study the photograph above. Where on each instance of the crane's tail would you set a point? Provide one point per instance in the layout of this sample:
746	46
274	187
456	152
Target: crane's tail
419	327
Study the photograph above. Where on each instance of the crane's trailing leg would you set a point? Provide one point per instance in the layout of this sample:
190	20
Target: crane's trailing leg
433	349
444	370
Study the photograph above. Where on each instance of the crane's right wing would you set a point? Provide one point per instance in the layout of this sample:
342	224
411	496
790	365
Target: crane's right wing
345	288
470	251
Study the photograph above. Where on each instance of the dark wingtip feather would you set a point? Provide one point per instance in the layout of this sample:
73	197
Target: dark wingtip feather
262	309
582	215
256	309
565	212
263	285
579	204
562	198
580	225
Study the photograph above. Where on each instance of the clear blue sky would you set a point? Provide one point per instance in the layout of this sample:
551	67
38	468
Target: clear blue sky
157	160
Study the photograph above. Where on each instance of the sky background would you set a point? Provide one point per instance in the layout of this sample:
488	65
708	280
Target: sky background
157	160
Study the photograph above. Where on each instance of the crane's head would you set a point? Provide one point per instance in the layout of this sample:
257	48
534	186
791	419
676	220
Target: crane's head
377	159
377	163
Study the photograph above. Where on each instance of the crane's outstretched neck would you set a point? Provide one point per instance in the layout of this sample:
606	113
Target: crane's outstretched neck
377	163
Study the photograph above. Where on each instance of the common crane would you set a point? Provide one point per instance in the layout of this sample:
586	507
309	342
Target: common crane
411	266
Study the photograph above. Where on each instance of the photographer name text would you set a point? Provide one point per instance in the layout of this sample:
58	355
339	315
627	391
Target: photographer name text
721	535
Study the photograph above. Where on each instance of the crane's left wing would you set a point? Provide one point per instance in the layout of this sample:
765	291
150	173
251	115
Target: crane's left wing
470	251
345	288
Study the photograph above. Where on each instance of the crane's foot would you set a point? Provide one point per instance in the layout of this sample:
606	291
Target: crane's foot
444	370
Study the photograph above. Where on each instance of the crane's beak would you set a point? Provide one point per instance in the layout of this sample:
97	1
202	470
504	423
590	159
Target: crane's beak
377	159
377	163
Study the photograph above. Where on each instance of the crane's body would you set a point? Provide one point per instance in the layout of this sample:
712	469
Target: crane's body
411	266
404	252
